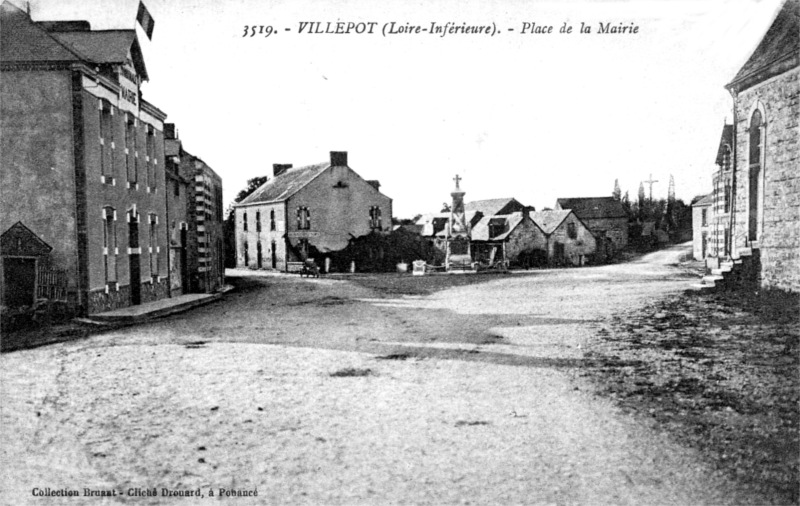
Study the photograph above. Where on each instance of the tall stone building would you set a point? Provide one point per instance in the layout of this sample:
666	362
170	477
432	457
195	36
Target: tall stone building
766	154
81	166
308	212
719	213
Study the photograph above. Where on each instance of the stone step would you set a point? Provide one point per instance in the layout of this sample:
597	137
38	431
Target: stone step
722	270
711	280
745	252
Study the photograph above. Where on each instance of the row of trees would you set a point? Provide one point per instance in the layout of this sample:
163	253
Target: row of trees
671	214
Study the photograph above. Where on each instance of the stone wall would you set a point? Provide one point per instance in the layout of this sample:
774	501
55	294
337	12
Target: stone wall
37	180
779	238
615	228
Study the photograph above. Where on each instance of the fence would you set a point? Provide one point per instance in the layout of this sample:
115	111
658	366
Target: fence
51	283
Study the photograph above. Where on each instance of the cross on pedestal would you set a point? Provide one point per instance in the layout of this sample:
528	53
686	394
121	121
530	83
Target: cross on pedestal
457	179
651	181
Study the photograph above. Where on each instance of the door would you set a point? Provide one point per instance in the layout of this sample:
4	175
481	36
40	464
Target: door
184	266
134	265
274	256
19	280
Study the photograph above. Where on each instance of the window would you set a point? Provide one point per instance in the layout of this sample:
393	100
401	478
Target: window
110	249
154	248
303	218
727	197
572	230
177	189
244	223
258	224
246	254
704	217
272	220
756	150
131	156
106	141
150	147
726	157
375	217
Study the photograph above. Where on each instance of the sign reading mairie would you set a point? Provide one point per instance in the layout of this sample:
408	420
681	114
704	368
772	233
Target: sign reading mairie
129	82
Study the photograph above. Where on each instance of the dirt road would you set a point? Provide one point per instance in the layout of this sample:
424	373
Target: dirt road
329	391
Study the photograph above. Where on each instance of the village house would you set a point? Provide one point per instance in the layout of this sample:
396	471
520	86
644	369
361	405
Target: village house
434	226
178	213
196	230
504	238
83	181
720	211
564	239
604	216
766	155
308	212
702	219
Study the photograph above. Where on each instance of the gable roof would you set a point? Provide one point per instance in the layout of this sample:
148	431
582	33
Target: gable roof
19	240
725	140
704	201
481	230
280	188
490	207
549	221
24	40
777	52
593	207
106	46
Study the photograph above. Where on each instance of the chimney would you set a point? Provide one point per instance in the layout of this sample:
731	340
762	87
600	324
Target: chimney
338	158
374	183
280	168
169	131
526	211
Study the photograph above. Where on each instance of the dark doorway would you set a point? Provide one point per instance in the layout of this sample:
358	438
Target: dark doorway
259	256
20	281
274	256
134	260
184	266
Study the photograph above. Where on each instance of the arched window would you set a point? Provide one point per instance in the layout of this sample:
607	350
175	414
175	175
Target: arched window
756	146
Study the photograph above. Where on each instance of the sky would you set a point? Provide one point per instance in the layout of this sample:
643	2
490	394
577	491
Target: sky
526	115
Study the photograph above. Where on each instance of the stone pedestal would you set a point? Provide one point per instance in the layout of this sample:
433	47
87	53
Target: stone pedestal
458	257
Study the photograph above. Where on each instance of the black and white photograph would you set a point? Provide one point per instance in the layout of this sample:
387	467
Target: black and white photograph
343	252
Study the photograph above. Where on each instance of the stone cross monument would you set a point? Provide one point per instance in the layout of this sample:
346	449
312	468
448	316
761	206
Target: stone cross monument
458	234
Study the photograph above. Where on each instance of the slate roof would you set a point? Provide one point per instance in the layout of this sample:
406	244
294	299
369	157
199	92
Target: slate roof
706	200
105	46
489	207
725	140
24	40
589	208
549	221
481	230
284	186
777	52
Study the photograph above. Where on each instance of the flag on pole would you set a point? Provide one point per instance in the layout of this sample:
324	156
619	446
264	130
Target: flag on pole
145	20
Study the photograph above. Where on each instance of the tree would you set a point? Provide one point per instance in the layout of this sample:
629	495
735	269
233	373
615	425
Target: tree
641	201
671	211
626	204
617	193
230	221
